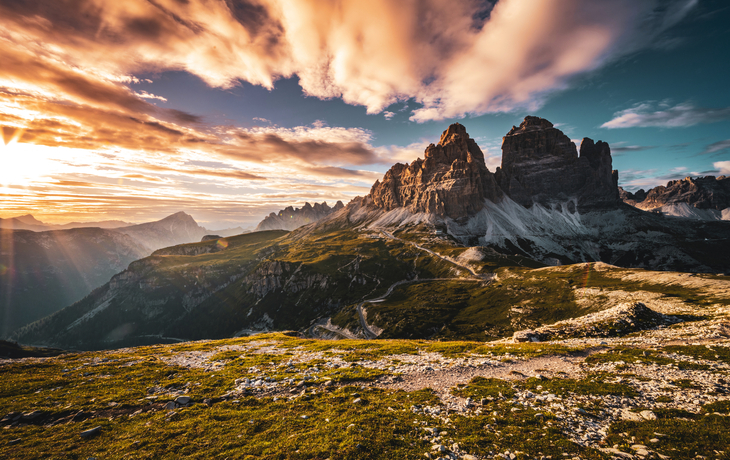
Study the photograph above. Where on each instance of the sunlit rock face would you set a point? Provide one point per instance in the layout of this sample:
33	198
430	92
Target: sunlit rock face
541	165
452	180
707	192
291	218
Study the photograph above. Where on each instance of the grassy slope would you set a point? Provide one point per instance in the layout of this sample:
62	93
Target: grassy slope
317	275
77	392
306	276
519	298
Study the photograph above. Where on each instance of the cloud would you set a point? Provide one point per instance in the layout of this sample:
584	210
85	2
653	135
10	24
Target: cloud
388	115
716	147
631	148
633	180
649	114
451	58
723	167
68	74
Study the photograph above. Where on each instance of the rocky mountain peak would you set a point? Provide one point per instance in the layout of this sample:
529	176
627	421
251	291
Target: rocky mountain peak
530	123
707	192
540	164
291	218
451	181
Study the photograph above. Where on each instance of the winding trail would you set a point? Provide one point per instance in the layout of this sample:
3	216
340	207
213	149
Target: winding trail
436	254
368	330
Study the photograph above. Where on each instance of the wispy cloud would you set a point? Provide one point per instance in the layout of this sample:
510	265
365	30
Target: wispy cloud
716	147
621	149
663	115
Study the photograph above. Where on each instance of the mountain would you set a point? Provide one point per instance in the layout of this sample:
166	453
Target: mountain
178	228
109	224
28	222
41	272
540	165
50	269
28	219
545	202
230	231
701	198
439	248
21	223
291	218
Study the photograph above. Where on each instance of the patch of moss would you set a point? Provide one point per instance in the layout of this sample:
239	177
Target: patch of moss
679	435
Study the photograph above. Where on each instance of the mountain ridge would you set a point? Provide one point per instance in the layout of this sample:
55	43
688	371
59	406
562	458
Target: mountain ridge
291	218
700	198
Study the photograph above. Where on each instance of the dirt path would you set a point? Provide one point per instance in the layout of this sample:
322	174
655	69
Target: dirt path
445	379
436	254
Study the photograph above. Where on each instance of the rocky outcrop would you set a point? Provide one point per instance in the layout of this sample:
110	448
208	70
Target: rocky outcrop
541	165
292	218
613	322
707	192
451	181
632	198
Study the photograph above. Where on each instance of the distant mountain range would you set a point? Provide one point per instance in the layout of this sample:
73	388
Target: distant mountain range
28	222
701	198
291	218
46	267
441	247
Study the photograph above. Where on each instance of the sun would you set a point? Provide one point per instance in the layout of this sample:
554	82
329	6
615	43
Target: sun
21	163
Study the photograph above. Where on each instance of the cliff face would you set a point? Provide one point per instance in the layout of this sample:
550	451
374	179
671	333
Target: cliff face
291	218
451	181
540	164
706	192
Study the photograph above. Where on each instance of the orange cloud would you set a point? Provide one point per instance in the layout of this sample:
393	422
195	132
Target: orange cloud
66	67
452	57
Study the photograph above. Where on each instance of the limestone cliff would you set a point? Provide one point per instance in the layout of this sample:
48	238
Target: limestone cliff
702	192
541	165
291	218
451	181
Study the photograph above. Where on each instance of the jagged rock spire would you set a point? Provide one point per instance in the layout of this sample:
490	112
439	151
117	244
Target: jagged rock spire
451	181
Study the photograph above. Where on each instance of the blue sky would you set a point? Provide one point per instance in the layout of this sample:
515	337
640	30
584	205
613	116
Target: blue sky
130	115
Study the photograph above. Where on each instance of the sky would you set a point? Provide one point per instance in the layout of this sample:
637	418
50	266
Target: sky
229	110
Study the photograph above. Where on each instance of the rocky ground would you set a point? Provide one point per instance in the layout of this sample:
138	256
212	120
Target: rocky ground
658	389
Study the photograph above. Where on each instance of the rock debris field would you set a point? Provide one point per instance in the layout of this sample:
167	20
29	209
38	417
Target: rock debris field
660	391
